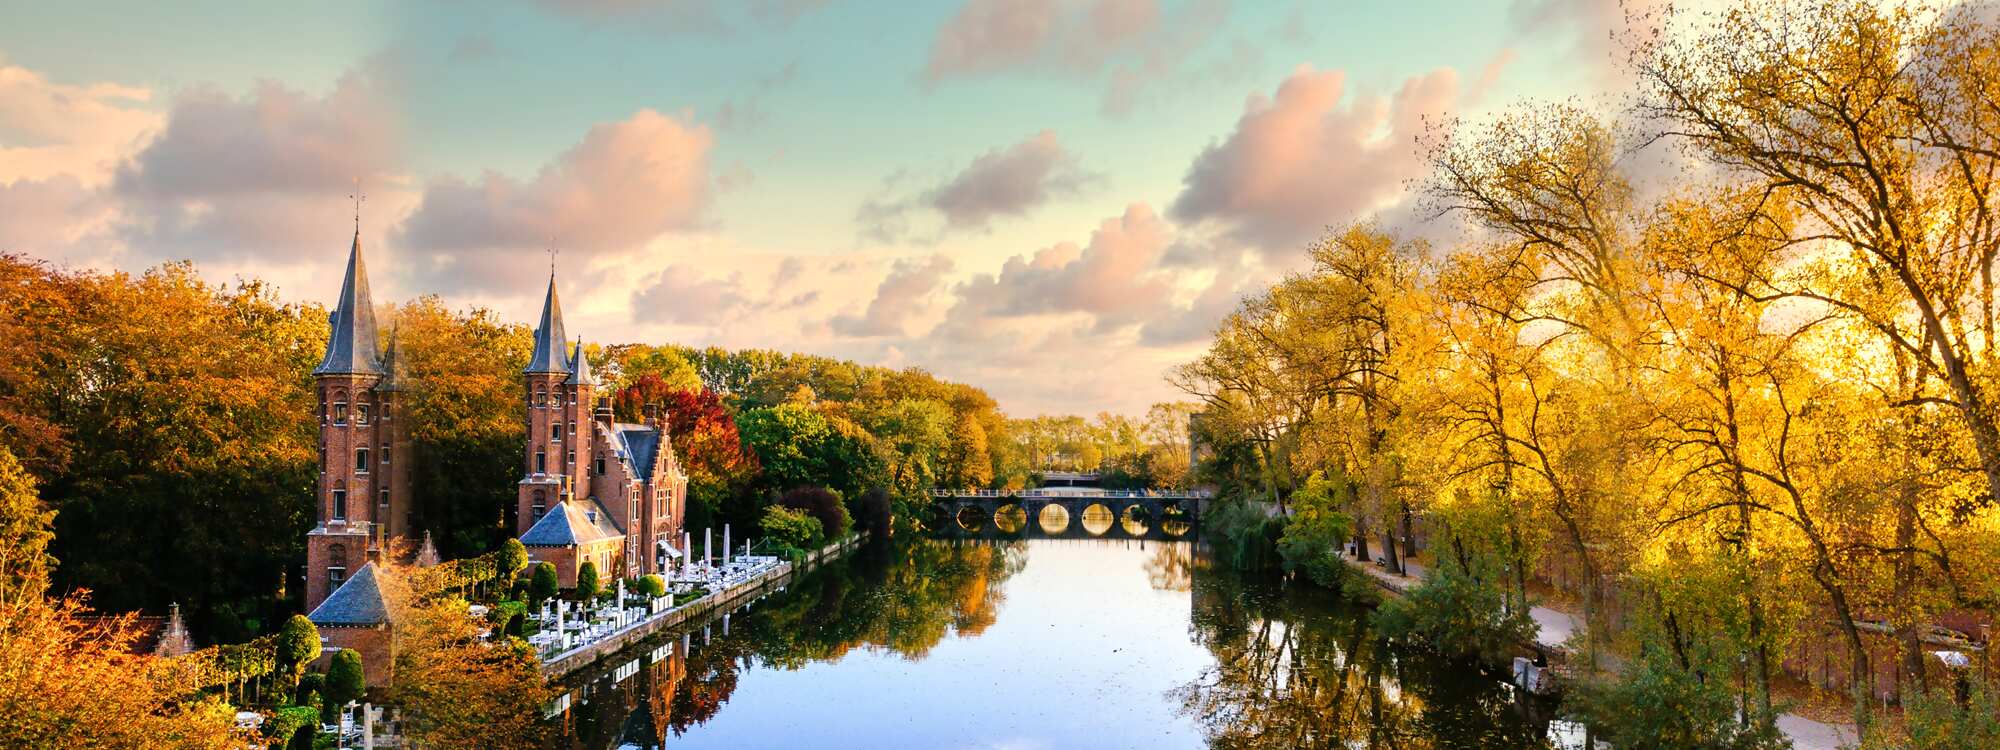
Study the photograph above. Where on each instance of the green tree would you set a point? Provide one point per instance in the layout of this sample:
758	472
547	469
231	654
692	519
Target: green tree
513	559
543	586
298	645
586	581
24	534
1315	531
791	529
345	679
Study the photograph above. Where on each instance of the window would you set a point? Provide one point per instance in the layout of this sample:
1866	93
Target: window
540	506
541	397
340	412
569	459
541	462
600	466
361	414
339	511
384	500
361	460
555	432
334	575
385	411
385	454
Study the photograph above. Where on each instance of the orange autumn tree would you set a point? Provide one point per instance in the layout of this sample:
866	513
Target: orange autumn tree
68	679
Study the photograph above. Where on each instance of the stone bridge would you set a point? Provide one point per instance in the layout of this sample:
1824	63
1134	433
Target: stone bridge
1072	513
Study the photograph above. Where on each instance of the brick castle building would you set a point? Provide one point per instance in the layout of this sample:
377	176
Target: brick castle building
592	489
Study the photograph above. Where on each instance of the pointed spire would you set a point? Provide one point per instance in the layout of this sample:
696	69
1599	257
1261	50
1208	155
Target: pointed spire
579	366
392	365
350	349
174	640
549	335
427	555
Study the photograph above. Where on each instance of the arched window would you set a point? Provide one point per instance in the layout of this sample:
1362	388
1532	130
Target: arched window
340	407
361	460
338	511
541	397
555	431
361	413
336	569
540	505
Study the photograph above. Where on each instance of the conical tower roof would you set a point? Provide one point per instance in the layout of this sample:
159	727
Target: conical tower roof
579	367
549	336
351	348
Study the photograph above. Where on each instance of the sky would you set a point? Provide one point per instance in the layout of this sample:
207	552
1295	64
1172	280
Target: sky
1055	200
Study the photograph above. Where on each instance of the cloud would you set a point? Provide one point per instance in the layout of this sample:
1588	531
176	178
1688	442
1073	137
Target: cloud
49	129
1002	182
1299	160
50	218
1128	45
624	184
901	296
1595	28
1008	182
262	176
1111	278
681	295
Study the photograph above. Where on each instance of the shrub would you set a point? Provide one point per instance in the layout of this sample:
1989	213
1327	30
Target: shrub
1961	716
650	585
822	504
513	557
791	531
1245	537
345	680
1312	537
543	586
310	687
507	616
876	511
298	645
586	581
292	725
1455	615
1656	705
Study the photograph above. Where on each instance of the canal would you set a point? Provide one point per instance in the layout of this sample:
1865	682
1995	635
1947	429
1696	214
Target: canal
1039	643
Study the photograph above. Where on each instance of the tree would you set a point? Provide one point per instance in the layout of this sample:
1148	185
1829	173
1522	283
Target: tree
24	535
586	581
821	504
513	559
457	690
345	679
464	419
298	645
794	531
543	586
971	464
650	585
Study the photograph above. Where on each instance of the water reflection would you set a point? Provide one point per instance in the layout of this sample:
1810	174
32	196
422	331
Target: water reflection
1055	643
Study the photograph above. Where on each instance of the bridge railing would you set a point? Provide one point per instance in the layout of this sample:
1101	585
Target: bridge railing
1073	495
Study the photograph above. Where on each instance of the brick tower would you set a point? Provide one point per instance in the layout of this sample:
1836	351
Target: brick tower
362	498
558	420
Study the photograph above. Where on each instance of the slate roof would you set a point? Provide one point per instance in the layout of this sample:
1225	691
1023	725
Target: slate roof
393	372
569	524
549	337
579	363
351	348
358	601
639	445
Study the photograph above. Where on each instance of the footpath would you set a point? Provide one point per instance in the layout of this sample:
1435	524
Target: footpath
1554	629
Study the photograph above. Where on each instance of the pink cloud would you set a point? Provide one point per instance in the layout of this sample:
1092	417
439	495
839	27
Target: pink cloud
49	129
1111	278
1299	160
624	184
1128	45
902	295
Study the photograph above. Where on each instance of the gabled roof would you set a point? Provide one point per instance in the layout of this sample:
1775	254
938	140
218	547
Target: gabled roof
639	445
569	523
359	601
350	347
579	363
549	337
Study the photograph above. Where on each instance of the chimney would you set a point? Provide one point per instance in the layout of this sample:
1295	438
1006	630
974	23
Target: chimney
603	413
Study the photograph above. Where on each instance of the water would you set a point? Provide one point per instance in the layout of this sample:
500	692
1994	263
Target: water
1042	643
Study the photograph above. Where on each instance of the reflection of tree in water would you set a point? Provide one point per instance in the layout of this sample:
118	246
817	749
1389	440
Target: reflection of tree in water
1171	568
1296	668
904	599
